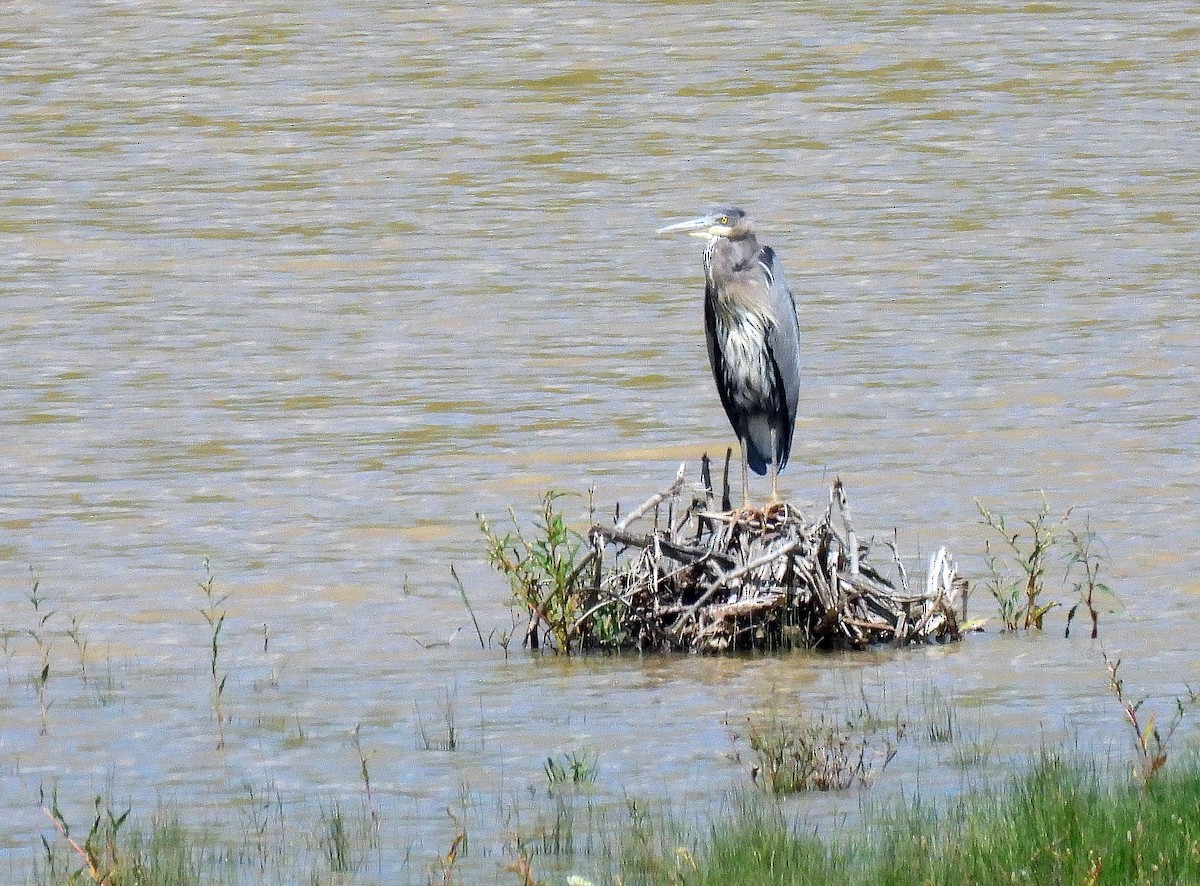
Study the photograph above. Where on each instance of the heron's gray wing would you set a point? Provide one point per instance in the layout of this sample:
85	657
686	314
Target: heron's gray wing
716	358
783	341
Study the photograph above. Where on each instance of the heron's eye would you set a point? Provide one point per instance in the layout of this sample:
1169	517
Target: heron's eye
723	220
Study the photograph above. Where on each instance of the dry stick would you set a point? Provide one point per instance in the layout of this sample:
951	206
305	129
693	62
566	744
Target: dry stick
671	548
727	577
837	495
869	588
654	500
903	573
938	585
688	513
726	504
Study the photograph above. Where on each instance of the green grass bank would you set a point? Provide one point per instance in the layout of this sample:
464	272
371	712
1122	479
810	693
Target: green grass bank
1058	823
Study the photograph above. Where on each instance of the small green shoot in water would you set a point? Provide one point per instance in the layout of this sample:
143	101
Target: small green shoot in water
75	632
1150	743
214	616
1085	557
365	771
41	639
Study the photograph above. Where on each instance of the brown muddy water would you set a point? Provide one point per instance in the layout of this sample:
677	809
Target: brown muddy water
303	287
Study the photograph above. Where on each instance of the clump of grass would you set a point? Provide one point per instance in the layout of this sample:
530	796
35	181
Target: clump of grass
973	752
572	824
572	769
332	844
941	724
99	853
214	616
545	571
447	738
115	854
335	840
1059	823
821	754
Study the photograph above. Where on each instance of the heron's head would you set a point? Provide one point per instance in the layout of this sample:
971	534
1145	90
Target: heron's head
728	222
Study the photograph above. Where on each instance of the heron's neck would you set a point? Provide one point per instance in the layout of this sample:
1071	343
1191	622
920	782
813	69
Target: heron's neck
723	256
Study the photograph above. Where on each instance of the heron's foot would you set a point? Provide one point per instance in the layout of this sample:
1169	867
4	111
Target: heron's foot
777	508
772	512
747	513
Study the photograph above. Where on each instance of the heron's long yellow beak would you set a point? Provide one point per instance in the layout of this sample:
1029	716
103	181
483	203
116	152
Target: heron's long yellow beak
695	227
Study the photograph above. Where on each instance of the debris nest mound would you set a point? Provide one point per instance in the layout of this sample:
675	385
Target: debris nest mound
709	580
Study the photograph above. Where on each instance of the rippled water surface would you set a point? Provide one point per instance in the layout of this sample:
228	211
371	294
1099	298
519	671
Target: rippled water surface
303	287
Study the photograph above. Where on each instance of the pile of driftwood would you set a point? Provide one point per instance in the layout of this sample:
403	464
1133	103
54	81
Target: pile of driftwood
703	579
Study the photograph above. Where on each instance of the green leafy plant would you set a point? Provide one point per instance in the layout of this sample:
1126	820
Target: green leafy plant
545	572
1085	558
1018	566
1017	577
1150	743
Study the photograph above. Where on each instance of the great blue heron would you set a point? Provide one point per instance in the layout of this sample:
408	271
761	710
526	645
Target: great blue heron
753	339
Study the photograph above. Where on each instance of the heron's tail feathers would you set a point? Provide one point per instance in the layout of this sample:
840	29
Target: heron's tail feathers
758	461
758	445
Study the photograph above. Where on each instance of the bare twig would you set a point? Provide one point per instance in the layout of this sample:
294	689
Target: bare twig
654	500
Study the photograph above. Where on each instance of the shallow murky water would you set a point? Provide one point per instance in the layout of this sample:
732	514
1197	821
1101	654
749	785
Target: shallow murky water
302	288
